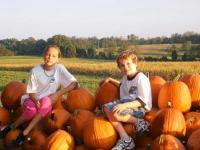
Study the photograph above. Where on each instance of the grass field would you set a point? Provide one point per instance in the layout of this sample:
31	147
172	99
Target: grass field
90	71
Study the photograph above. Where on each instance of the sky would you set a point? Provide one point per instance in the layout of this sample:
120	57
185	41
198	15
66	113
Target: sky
42	19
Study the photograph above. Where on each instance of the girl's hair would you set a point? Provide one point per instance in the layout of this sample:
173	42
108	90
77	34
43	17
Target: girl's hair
53	46
125	55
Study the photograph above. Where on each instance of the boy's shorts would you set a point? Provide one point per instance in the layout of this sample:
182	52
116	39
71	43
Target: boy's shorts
30	110
138	112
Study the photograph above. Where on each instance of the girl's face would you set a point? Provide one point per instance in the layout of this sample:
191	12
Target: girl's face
127	67
51	57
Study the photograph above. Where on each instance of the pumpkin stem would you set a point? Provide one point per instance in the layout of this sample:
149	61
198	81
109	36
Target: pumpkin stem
177	77
191	119
29	140
76	112
169	104
52	116
161	140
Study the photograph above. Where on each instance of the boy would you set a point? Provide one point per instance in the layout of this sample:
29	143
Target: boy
135	100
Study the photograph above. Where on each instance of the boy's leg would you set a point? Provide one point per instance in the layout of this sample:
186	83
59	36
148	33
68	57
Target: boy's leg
125	142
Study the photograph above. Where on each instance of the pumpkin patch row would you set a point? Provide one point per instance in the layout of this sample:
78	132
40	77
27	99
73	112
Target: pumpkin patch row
77	122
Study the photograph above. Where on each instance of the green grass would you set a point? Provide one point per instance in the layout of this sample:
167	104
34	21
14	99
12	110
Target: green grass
90	82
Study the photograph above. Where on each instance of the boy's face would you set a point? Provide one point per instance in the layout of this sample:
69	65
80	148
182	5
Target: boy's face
51	57
127	67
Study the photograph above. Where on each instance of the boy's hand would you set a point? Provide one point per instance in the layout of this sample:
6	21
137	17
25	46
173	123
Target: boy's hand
104	81
119	108
54	97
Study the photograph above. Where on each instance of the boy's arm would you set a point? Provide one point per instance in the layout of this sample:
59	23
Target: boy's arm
111	80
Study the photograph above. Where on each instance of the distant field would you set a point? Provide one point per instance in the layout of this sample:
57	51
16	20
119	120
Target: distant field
102	68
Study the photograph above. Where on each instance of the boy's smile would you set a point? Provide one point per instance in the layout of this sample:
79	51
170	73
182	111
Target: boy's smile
127	67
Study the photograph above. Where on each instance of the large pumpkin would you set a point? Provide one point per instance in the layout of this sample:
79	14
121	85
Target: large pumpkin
168	121
156	83
99	133
167	142
35	140
177	93
193	142
192	120
193	82
78	121
11	94
60	140
107	92
56	120
5	117
80	98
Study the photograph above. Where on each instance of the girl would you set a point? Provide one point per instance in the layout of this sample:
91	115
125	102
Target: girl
42	91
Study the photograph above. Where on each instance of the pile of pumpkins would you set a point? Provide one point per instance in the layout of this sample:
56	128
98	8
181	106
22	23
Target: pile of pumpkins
77	122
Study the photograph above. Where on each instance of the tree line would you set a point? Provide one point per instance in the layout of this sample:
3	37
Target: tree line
107	47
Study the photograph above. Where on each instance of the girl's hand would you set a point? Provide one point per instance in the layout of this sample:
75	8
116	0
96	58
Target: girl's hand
119	108
37	103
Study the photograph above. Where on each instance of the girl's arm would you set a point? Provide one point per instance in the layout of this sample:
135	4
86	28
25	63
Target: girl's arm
33	98
61	91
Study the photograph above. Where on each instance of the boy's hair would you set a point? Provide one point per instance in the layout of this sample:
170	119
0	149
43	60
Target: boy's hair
125	55
53	46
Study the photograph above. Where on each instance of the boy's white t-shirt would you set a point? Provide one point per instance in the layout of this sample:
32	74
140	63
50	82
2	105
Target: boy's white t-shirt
44	83
137	87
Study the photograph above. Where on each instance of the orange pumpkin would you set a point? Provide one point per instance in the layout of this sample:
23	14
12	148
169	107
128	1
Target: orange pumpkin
99	133
156	83
78	120
80	98
151	114
60	140
10	136
193	82
168	121
193	142
167	142
80	147
58	104
56	120
143	142
192	120
177	93
107	92
5	117
11	94
35	140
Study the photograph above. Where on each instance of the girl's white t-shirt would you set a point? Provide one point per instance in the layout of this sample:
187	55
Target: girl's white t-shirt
44	83
138	87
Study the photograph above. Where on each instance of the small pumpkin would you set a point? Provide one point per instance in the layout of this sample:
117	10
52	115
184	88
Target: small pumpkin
99	133
107	92
193	82
156	83
192	120
10	136
58	119
35	140
5	117
60	140
78	121
168	121
80	98
177	93
167	142
11	94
